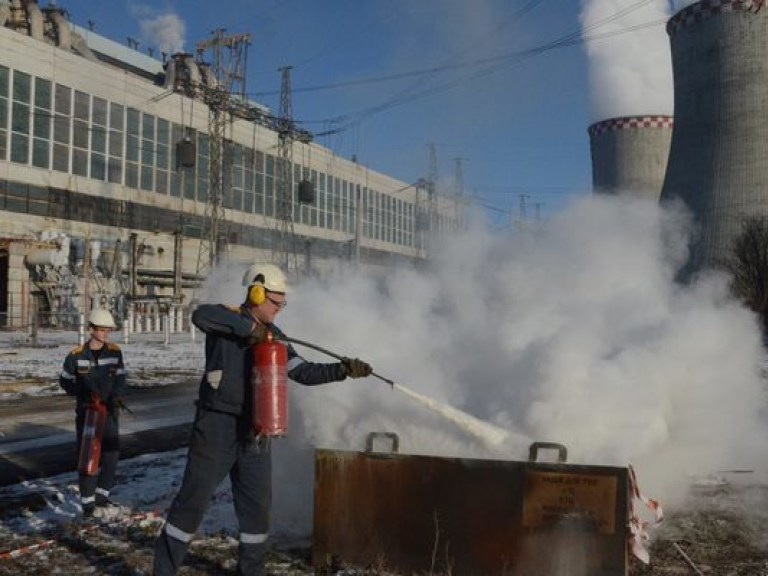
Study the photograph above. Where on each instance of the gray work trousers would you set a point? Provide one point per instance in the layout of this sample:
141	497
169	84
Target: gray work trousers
219	447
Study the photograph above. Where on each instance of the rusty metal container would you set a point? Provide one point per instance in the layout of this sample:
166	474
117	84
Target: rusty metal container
425	514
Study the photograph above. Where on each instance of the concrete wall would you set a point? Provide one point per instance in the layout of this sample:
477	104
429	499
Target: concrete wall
629	154
717	161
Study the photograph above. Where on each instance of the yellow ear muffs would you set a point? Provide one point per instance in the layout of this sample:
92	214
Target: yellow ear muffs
257	294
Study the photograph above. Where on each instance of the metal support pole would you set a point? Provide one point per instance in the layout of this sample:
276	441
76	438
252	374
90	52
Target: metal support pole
167	330
33	323
128	325
81	330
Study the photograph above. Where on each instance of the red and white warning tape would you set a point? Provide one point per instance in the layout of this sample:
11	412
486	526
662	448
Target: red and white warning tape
638	529
133	518
26	549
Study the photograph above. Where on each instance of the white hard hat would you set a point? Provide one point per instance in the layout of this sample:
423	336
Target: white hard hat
102	318
267	275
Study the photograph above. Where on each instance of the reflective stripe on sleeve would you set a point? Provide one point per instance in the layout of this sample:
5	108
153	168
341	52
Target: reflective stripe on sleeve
67	376
107	361
253	538
178	533
83	362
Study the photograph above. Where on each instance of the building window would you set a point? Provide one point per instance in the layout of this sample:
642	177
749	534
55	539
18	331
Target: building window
41	143
337	206
99	139
62	127
269	186
313	210
233	176
4	83
176	171
202	167
323	214
147	151
189	175
115	143
163	156
20	117
132	136
344	205
258	190
80	133
407	224
249	180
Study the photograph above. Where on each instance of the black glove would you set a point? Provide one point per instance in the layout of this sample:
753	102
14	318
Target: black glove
355	368
258	334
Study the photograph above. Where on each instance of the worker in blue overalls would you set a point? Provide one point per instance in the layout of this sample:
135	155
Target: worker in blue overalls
223	441
94	372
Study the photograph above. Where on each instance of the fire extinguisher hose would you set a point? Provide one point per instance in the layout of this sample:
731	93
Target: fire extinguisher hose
284	338
485	431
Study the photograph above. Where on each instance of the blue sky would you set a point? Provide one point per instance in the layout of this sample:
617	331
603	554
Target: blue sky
391	77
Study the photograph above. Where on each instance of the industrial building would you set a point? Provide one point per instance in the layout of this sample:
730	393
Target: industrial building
124	178
717	161
629	154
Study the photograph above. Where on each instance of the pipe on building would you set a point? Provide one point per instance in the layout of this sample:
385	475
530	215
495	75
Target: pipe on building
183	74
170	73
5	15
63	33
178	269
36	21
81	47
17	20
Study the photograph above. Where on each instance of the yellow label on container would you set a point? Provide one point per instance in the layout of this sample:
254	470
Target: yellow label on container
552	498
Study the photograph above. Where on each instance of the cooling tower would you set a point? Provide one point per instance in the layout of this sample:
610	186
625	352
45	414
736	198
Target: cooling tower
629	154
718	160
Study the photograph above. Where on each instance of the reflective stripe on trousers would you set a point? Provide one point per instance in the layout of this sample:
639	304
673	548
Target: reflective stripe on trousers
253	538
178	533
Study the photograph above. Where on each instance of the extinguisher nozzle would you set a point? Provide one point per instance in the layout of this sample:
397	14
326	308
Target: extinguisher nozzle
387	380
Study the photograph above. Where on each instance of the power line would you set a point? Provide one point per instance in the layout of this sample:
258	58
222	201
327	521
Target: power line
494	64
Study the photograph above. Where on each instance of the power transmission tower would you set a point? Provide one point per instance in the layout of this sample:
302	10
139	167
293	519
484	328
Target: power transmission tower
458	182
225	67
285	246
432	188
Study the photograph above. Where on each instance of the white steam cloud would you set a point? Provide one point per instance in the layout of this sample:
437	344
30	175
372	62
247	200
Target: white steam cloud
630	68
166	31
574	333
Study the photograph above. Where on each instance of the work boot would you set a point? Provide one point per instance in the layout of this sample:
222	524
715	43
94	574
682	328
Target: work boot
104	502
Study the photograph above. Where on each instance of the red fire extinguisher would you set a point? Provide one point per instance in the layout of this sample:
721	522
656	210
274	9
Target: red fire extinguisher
269	378
90	441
